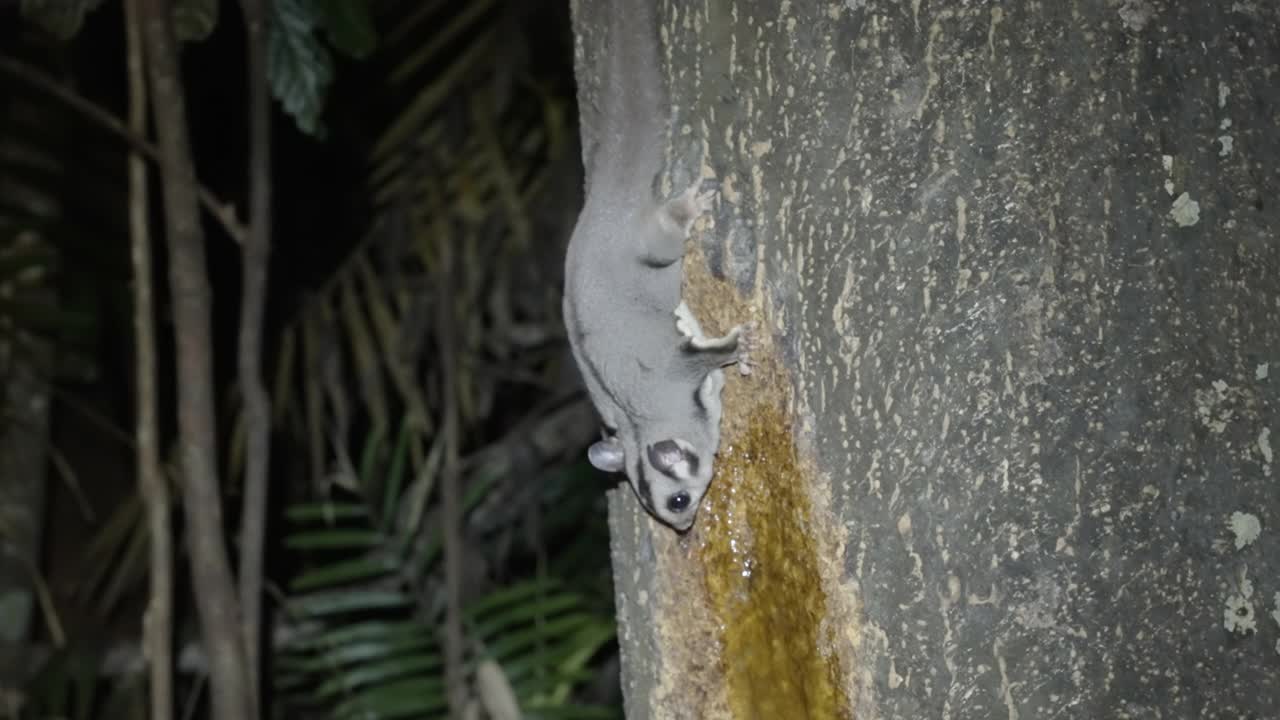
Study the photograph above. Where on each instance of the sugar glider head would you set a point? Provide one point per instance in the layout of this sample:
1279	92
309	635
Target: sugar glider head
669	475
668	455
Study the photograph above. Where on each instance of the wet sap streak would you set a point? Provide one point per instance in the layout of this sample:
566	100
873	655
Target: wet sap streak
763	580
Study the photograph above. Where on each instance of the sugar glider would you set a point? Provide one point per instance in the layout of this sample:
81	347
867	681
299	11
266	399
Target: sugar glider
652	375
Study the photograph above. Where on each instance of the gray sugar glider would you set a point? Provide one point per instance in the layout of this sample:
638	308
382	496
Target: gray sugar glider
652	375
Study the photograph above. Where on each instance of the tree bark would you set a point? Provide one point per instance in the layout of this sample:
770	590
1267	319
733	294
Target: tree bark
212	582
1020	273
255	255
153	486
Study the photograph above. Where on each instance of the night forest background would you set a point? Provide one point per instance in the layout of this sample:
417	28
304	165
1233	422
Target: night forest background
425	173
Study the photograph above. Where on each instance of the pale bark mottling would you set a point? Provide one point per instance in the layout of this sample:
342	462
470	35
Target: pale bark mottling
1038	382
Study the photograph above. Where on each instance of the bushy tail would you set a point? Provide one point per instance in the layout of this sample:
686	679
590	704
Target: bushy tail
634	96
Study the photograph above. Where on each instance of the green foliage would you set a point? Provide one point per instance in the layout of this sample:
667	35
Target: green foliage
368	612
60	18
388	663
194	20
32	319
469	168
115	560
68	685
299	66
467	179
41	217
349	26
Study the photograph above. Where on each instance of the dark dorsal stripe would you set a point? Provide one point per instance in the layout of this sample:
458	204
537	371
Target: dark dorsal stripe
642	485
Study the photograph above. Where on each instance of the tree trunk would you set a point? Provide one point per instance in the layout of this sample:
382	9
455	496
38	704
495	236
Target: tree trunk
255	256
1010	452
153	486
211	579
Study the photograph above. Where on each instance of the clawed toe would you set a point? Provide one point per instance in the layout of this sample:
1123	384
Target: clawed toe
748	344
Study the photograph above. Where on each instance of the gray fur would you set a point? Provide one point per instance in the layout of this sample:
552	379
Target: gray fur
652	375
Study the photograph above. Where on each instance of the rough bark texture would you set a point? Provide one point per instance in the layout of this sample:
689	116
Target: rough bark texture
1020	262
212	583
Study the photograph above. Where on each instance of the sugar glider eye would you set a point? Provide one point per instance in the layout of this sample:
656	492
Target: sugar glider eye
679	502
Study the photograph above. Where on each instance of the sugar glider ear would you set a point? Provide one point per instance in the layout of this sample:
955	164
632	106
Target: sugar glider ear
606	455
674	458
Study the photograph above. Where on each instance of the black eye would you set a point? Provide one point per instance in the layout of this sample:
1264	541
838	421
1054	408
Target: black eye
678	502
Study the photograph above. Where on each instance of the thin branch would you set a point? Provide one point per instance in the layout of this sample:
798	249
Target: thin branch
157	625
223	212
255	253
213	585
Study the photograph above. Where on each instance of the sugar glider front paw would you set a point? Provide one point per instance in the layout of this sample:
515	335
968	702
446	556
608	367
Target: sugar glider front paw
679	213
695	340
736	346
686	324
